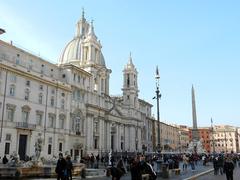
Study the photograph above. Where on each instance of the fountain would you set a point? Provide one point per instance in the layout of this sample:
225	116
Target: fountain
196	147
37	166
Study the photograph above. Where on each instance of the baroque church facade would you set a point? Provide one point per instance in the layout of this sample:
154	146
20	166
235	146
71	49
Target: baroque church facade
68	104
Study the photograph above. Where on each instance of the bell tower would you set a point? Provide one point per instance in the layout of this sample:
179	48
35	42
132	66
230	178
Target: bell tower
130	84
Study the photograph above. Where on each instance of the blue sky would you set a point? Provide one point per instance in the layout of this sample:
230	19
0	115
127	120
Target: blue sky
192	42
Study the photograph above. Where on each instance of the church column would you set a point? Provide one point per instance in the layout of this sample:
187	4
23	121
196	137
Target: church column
82	54
107	84
132	139
108	137
89	133
105	136
118	137
89	52
101	134
139	139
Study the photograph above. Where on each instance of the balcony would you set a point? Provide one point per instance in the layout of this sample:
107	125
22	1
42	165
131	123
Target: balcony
25	125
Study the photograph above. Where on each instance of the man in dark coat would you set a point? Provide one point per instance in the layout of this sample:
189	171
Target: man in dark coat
5	160
228	168
135	169
69	167
61	167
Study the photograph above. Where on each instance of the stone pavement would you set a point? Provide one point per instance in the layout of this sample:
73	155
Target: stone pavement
211	176
182	176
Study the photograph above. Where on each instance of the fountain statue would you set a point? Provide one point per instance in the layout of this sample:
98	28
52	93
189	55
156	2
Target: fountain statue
14	160
38	148
196	147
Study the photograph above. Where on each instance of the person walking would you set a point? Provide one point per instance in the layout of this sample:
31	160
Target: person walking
92	160
215	165
185	162
61	168
5	160
69	167
220	164
135	169
228	168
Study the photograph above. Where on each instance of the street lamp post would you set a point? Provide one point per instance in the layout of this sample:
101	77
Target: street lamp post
158	96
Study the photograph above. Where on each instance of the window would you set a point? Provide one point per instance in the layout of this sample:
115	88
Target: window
40	98
83	81
95	85
102	85
25	116
95	143
51	120
95	127
10	114
13	78
74	77
79	79
52	101
53	91
28	83
8	137
77	124
63	94
61	121
39	119
27	93
60	147
7	148
62	104
49	149
42	69
41	87
128	80
12	90
78	94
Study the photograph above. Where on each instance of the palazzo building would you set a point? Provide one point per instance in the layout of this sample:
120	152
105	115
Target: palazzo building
225	138
68	104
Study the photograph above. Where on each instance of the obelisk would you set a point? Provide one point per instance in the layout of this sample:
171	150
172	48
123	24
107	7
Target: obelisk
195	136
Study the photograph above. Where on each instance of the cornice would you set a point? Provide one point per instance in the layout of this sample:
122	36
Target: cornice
73	67
34	77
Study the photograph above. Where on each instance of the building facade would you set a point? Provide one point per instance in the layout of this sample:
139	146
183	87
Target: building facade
184	138
169	137
225	138
68	104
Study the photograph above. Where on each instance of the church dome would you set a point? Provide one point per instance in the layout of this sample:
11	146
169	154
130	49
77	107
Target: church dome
84	49
72	52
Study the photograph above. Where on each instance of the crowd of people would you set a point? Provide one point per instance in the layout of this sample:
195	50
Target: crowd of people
141	166
225	163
